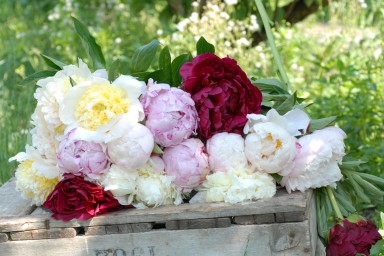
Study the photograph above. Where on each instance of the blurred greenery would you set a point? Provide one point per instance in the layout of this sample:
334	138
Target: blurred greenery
334	58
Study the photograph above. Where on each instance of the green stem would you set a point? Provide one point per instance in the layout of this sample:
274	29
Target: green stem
335	206
271	40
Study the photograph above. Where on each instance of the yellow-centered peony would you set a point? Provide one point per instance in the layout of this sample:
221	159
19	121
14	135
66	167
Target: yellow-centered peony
278	145
100	104
33	186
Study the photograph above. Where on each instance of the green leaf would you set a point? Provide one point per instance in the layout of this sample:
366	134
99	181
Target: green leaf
270	85
345	203
377	249
38	75
143	57
142	75
321	123
165	65
277	177
369	187
157	149
358	190
372	178
53	63
92	48
176	65
287	105
157	76
308	2
202	46
114	70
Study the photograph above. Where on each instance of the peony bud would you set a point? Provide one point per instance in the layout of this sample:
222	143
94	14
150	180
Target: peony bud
132	150
170	112
226	151
81	157
187	162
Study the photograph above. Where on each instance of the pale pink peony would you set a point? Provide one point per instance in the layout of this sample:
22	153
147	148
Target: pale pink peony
132	148
226	151
317	159
187	162
82	158
170	114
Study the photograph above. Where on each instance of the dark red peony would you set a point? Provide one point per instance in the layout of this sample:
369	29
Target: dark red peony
350	238
76	198
222	92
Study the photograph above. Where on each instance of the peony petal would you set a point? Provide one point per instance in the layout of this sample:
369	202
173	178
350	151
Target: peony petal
298	122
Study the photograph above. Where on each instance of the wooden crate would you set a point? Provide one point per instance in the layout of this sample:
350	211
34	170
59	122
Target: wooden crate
283	225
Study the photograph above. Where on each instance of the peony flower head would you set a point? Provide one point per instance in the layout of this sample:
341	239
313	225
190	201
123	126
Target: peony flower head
349	238
131	150
187	162
235	186
122	183
52	90
269	147
74	197
155	189
42	166
170	114
44	138
80	157
32	185
316	162
96	105
222	92
226	151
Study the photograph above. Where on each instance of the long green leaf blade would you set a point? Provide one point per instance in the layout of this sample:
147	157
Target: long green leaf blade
38	75
92	48
143	57
53	63
202	46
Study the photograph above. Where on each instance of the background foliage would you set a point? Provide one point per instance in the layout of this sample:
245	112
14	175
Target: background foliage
334	58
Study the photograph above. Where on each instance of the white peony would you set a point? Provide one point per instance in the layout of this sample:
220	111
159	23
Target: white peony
43	138
226	151
154	187
52	90
270	148
96	105
35	176
132	149
235	186
316	163
122	183
42	166
295	122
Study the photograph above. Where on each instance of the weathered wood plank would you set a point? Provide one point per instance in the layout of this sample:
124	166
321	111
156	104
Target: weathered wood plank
118	229
270	239
11	201
3	237
255	219
198	223
297	203
53	233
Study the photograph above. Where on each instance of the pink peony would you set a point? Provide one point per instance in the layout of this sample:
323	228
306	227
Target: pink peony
170	112
82	158
187	162
316	162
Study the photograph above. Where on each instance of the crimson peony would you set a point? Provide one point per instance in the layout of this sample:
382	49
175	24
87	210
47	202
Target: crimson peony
222	92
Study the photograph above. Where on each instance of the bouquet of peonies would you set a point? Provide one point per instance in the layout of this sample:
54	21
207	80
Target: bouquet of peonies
195	130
